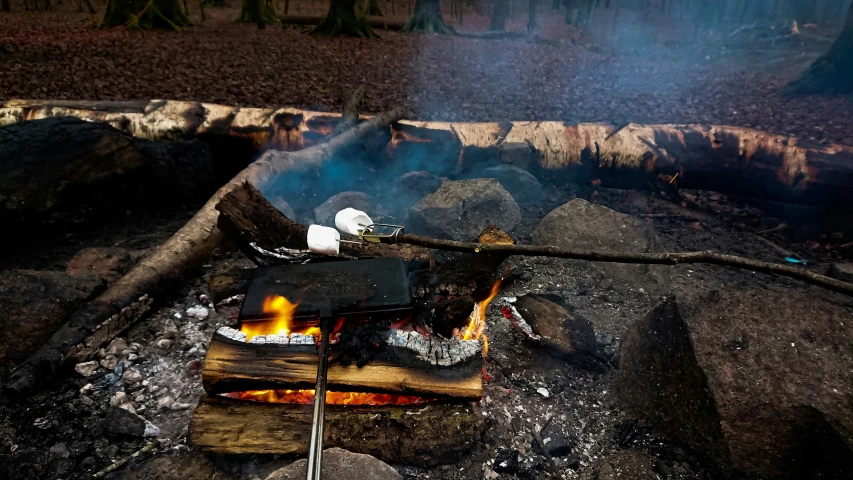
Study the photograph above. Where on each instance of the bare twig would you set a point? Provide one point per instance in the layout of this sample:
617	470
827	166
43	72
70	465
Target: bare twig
120	462
707	256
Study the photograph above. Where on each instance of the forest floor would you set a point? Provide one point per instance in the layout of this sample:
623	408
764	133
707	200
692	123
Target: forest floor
628	71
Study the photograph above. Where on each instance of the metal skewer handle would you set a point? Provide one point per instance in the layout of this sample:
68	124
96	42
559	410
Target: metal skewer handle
315	450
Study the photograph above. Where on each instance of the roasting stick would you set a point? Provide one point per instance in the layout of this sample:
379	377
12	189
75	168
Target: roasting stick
315	449
397	235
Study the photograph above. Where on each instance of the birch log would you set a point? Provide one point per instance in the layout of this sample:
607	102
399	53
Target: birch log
709	157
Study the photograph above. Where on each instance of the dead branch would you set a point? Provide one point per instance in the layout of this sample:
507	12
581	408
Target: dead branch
131	296
707	256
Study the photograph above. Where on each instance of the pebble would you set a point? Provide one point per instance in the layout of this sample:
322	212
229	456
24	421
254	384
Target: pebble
490	474
85	388
165	402
193	367
132	357
198	312
87	463
180	406
109	362
171	330
86	401
132	376
543	391
118	399
117	346
128	406
164	344
60	450
86	368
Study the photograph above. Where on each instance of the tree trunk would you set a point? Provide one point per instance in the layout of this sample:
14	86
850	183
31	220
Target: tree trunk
257	11
88	6
345	17
498	22
531	16
4	6
144	15
555	4
427	18
373	8
832	73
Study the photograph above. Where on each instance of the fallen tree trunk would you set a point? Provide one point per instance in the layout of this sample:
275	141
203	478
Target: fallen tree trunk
720	158
431	434
132	295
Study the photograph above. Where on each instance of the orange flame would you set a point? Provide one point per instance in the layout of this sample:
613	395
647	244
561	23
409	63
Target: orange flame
332	398
477	320
282	324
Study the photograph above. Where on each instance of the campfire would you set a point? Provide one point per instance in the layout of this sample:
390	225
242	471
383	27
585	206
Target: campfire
385	371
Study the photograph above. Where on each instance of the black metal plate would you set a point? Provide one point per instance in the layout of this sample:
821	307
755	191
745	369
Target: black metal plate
333	289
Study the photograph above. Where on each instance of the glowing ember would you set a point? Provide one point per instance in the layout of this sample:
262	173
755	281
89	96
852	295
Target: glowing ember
332	398
282	324
477	320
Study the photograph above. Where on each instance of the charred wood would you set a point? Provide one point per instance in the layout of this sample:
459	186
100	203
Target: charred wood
431	434
409	364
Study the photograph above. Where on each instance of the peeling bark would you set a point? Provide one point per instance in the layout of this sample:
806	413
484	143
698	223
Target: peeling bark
709	157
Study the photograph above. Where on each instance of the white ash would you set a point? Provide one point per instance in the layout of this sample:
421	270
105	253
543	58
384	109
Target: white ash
198	312
278	339
435	350
281	252
300	339
261	339
518	321
232	333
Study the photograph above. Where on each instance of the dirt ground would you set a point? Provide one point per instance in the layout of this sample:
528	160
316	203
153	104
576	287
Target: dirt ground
632	73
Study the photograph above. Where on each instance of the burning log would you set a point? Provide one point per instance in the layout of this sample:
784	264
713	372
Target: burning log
721	158
409	363
429	434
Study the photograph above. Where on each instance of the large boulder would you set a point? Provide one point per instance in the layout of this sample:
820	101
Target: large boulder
523	186
33	305
461	210
340	464
580	225
760	381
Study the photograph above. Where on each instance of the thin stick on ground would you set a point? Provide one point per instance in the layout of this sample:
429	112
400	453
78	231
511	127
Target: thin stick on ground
120	462
707	256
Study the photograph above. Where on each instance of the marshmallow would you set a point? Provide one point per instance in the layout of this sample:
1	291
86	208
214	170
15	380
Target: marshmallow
324	240
350	221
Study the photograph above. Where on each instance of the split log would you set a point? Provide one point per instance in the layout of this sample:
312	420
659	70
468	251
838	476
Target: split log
132	295
50	163
414	369
427	435
707	157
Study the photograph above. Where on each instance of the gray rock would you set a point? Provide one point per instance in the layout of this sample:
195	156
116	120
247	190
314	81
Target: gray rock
117	346
557	443
122	422
60	450
461	210
759	380
842	271
519	154
418	184
107	263
182	465
580	225
523	186
283	207
325	213
340	464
